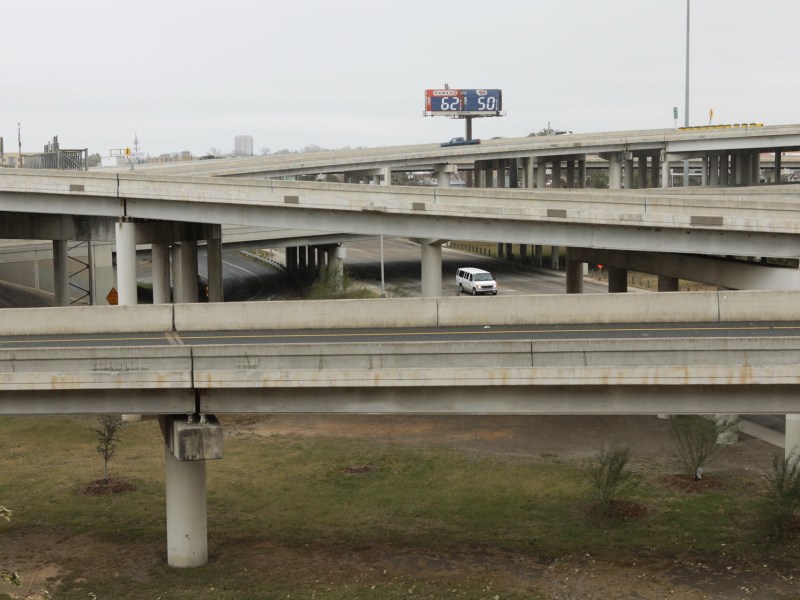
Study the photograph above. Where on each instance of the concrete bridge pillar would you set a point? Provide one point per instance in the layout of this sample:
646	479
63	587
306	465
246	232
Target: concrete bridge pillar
555	171
184	264
713	170
188	443
337	264
655	170
575	272
627	172
60	273
528	165
582	173
617	280
554	257
665	174
541	172
538	255
667	284
431	268
776	173
214	261
724	169
571	173
792	440
614	171
642	170
160	261
704	171
126	262
187	519
386	177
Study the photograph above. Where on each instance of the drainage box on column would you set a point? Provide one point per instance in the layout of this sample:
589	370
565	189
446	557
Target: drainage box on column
195	440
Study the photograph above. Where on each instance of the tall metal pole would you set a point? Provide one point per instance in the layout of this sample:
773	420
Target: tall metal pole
19	145
686	106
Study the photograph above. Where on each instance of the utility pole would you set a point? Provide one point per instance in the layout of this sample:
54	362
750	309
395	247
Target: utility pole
686	107
19	144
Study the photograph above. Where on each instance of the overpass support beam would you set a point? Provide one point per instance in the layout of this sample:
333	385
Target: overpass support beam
582	173
617	280
431	268
160	260
575	272
627	172
555	170
792	440
214	263
541	172
126	262
188	443
60	273
655	170
668	284
665	174
184	262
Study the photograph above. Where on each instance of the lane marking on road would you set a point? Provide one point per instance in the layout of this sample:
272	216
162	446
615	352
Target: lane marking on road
178	339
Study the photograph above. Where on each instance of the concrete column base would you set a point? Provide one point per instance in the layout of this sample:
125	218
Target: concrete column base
431	270
792	445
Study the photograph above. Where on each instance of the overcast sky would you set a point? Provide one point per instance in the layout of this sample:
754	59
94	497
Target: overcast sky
192	74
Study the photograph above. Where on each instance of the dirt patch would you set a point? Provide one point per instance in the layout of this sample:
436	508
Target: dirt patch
106	487
684	483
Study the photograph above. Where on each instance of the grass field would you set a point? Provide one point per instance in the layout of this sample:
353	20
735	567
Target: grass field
320	517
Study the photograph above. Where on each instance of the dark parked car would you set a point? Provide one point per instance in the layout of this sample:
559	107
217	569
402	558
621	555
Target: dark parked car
460	141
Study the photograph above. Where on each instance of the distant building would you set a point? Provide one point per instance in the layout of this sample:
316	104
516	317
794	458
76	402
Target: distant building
243	145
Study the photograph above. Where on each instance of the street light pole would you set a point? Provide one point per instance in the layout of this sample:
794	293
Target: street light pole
686	105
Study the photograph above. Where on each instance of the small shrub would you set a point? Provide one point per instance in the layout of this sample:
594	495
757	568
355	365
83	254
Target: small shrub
696	439
783	496
607	472
108	438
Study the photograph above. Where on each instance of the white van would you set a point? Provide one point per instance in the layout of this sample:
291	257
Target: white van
475	281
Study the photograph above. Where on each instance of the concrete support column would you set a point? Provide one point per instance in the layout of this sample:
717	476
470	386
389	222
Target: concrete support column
302	257
704	170
655	171
737	162
617	280
574	274
614	171
554	257
442	178
777	171
713	170
500	168
513	173
214	260
339	255
386	177
627	173
187	517
529	175
509	251
126	262
541	173
667	284
582	173
523	252
724	169
755	178
184	265
571	173
501	249
538	255
555	170
642	170
431	269
665	174
792	439
488	174
60	273
160	260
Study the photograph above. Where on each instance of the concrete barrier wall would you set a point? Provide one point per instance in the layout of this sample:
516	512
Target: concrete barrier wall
85	319
579	308
759	306
409	312
307	314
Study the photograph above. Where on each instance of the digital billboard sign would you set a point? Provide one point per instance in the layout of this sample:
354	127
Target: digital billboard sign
452	102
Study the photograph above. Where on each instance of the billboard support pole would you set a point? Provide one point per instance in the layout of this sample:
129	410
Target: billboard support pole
468	178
